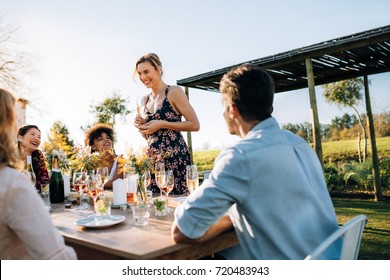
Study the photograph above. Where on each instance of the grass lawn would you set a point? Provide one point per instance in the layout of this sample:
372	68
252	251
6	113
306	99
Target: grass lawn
332	151
375	243
348	149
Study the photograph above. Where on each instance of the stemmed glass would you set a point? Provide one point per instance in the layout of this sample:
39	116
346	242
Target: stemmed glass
103	172
168	184
80	183
139	107
159	172
147	178
192	177
95	187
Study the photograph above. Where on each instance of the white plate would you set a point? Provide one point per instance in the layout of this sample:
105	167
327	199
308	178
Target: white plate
100	221
179	199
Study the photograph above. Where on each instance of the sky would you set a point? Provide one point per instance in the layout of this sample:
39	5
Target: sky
84	50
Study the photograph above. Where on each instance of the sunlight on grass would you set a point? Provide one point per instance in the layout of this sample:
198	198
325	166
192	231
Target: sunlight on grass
376	236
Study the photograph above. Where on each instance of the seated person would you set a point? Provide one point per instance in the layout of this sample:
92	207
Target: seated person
27	231
29	139
270	182
100	138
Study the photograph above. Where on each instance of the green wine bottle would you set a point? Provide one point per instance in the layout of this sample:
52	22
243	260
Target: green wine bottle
30	170
56	186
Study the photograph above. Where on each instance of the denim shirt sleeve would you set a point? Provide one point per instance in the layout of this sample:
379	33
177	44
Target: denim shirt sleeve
212	200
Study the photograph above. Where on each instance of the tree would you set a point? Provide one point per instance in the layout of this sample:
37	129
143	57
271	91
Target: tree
382	124
58	139
109	108
13	63
347	93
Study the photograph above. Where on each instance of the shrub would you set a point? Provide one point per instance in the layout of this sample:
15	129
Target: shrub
359	174
384	166
333	180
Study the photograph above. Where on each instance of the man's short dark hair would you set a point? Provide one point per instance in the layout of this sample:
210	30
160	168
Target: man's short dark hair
251	89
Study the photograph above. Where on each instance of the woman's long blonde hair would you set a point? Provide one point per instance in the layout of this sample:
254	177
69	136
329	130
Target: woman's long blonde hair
8	155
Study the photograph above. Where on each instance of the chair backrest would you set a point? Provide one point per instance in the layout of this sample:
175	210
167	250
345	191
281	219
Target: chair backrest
351	232
206	174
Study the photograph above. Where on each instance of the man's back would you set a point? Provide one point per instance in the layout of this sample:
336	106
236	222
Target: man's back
283	202
282	209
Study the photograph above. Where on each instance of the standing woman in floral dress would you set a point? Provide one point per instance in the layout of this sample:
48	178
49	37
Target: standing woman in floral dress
160	122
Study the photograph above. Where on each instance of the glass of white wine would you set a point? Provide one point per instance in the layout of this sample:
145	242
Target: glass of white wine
168	184
192	177
159	174
103	172
138	109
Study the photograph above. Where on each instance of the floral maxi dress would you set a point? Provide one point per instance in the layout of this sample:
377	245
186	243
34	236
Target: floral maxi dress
169	143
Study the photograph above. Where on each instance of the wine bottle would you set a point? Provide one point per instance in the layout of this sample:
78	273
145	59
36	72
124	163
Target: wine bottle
56	186
30	170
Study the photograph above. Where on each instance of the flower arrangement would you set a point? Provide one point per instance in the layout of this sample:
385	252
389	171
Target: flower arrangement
140	163
83	159
63	160
143	161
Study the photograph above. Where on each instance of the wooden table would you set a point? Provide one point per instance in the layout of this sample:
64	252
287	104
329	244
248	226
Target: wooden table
126	241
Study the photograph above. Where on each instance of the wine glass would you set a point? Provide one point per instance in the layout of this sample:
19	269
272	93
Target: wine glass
168	184
147	178
138	111
159	172
103	172
192	177
80	183
95	187
139	106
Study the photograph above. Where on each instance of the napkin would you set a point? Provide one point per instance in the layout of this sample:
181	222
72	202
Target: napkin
119	188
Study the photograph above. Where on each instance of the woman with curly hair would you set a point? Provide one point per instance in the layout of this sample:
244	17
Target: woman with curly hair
100	138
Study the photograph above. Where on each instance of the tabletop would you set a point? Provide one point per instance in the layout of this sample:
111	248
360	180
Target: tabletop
127	241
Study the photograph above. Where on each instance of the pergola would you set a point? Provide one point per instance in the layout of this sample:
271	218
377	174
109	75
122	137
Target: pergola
356	55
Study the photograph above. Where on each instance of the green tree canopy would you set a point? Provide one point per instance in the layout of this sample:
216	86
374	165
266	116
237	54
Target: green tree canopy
58	139
107	110
347	93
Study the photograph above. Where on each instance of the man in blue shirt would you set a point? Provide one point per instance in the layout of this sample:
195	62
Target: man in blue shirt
269	186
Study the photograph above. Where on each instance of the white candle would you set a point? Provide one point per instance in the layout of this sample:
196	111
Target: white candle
66	185
132	183
119	188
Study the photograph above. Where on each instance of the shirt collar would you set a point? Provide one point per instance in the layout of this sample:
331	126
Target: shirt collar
265	124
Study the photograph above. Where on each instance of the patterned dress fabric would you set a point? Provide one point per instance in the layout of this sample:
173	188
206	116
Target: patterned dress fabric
40	170
170	144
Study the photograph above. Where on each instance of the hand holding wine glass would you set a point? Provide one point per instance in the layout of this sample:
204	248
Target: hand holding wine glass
138	118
